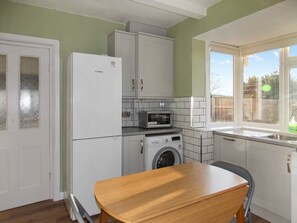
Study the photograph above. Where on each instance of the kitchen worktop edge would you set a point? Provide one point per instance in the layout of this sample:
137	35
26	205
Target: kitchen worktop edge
256	138
129	131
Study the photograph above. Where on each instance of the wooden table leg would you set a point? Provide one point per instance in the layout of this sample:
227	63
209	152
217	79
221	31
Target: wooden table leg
240	215
103	217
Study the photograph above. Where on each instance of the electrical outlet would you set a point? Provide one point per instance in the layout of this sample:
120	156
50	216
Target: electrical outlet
125	114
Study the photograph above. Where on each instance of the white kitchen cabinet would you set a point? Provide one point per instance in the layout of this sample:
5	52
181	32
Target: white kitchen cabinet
155	62
133	154
147	61
268	165
229	149
123	44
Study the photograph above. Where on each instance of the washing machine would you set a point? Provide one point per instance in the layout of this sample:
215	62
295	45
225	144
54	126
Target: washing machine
163	150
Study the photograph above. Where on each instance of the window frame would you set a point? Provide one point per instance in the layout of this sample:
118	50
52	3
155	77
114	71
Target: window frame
286	62
224	49
280	104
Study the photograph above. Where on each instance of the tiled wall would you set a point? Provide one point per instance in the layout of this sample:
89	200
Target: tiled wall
198	144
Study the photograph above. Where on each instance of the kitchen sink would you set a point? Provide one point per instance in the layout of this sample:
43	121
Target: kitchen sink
281	137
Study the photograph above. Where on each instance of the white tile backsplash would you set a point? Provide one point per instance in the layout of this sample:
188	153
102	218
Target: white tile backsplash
182	110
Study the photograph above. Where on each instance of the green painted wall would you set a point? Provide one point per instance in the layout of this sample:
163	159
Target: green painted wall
75	33
190	62
198	54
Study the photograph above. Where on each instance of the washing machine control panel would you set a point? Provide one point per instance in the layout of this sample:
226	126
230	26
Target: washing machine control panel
155	141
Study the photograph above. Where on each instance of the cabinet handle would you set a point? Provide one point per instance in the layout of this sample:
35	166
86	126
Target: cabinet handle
141	84
232	140
289	163
141	146
133	84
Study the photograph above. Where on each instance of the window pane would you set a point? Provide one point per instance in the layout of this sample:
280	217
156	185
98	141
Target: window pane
293	51
261	87
29	94
3	100
221	87
293	93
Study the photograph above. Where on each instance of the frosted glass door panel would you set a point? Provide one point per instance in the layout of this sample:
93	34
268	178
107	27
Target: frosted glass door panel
25	141
3	107
29	92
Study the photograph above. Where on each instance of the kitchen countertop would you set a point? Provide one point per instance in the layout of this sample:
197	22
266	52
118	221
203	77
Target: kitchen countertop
129	131
257	135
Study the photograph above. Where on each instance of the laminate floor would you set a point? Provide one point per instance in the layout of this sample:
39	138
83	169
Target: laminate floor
52	212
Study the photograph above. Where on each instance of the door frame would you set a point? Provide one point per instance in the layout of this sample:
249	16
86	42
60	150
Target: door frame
53	46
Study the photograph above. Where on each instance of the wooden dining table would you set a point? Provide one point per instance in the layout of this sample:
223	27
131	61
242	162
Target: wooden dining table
191	192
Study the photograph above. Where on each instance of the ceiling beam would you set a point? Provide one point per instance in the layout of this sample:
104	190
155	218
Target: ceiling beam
184	8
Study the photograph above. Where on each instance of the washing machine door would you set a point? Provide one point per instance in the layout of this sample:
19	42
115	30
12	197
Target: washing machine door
166	156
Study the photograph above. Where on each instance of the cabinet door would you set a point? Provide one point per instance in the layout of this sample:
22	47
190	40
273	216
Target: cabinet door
229	149
123	44
155	66
268	165
133	154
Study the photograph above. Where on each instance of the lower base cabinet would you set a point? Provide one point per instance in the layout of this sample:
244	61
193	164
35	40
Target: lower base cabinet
133	154
268	165
230	149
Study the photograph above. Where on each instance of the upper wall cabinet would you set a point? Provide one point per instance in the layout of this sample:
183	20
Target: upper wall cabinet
147	63
155	66
122	44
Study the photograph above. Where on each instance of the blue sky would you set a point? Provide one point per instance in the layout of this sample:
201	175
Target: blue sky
293	50
261	64
258	65
221	68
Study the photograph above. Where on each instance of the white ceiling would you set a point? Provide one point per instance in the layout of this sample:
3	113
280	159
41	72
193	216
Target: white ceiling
163	13
275	21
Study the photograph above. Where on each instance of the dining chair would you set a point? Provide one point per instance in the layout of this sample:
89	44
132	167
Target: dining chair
79	211
244	173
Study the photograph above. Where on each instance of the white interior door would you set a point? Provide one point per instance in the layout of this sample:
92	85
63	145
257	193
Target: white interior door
24	125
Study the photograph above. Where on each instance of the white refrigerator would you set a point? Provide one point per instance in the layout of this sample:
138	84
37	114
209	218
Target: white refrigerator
93	150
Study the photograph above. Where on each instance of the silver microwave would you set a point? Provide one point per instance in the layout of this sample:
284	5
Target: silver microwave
155	119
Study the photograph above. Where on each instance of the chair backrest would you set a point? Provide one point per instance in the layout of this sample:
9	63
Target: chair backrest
244	173
78	210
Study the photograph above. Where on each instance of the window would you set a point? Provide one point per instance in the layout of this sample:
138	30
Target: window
261	87
293	93
221	87
254	85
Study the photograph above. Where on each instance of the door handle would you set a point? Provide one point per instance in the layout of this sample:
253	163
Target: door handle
141	146
232	140
141	84
289	163
133	84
